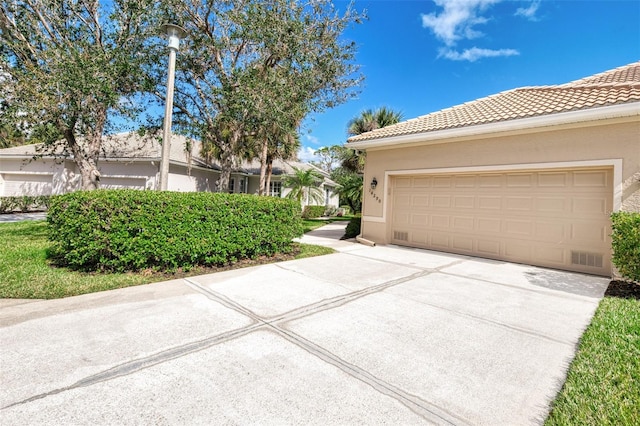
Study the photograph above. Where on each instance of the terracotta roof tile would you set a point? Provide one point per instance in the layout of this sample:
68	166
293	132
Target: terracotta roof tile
620	85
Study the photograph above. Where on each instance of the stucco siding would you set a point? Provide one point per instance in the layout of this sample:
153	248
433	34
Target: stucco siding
607	142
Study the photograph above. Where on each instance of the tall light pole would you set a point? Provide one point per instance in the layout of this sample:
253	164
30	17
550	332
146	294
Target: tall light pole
174	33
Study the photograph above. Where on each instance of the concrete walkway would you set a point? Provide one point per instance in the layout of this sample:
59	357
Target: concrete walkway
369	335
20	217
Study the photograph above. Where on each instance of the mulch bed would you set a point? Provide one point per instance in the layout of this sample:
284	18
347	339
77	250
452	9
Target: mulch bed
623	290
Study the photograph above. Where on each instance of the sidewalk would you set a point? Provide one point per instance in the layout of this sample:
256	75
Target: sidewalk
329	236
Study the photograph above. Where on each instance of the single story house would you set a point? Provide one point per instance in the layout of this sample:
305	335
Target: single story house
128	160
529	175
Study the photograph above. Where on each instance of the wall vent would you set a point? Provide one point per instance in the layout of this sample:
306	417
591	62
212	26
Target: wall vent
586	259
400	236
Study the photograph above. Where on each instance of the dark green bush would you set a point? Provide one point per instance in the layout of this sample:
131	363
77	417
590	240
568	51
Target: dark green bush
353	228
311	212
24	203
119	230
625	242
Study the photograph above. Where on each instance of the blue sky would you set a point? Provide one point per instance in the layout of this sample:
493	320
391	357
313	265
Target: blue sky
421	56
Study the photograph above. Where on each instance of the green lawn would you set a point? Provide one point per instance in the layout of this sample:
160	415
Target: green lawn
311	224
603	384
25	272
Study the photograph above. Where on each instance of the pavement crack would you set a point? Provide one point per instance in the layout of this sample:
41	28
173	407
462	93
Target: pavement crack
425	409
146	362
341	300
223	300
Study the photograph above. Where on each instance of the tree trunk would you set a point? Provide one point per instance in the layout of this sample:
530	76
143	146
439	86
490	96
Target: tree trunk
86	159
269	171
263	188
227	162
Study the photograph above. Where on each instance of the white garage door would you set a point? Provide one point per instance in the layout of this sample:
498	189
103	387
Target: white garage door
108	182
17	184
552	218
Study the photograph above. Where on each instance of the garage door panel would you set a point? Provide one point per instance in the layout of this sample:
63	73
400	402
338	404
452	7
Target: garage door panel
550	231
551	204
441	201
490	248
489	203
489	225
462	244
519	203
587	233
419	219
538	217
463	223
440	221
591	206
465	181
518	180
519	228
553	179
590	179
464	202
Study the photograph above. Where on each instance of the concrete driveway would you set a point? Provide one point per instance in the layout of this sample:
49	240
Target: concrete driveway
370	335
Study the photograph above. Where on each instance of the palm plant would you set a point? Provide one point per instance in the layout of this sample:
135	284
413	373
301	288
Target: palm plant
350	190
304	186
369	120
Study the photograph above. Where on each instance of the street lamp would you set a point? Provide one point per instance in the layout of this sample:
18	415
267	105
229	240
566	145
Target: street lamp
174	33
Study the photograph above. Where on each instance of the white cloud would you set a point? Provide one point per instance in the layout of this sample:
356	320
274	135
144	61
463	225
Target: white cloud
457	20
311	139
476	53
529	12
307	154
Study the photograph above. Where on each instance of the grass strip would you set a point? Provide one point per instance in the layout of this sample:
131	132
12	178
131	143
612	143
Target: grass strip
603	383
25	272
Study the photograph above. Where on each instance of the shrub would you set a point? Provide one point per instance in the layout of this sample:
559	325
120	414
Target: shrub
353	228
7	204
311	212
117	230
625	242
24	203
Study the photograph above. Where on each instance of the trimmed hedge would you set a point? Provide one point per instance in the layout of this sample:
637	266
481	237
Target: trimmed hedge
311	212
121	230
24	203
353	228
625	241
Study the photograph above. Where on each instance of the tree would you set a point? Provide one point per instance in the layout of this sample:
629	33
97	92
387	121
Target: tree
73	63
304	186
367	121
330	157
350	190
250	70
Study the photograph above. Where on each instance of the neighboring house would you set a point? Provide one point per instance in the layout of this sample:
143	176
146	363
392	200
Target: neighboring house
131	161
529	175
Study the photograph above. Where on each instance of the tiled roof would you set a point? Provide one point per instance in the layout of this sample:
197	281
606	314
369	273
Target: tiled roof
123	146
618	86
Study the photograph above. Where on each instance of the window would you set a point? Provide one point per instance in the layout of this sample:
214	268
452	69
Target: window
275	189
232	185
327	196
243	185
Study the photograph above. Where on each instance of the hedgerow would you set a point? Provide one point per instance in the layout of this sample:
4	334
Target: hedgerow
625	242
312	212
119	230
24	203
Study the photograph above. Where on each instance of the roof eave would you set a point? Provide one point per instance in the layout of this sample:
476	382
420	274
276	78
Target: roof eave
572	117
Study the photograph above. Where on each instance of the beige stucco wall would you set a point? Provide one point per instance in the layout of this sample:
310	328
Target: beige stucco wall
620	140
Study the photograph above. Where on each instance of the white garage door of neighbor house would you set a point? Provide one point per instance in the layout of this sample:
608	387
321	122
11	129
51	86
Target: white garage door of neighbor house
17	184
109	182
552	218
